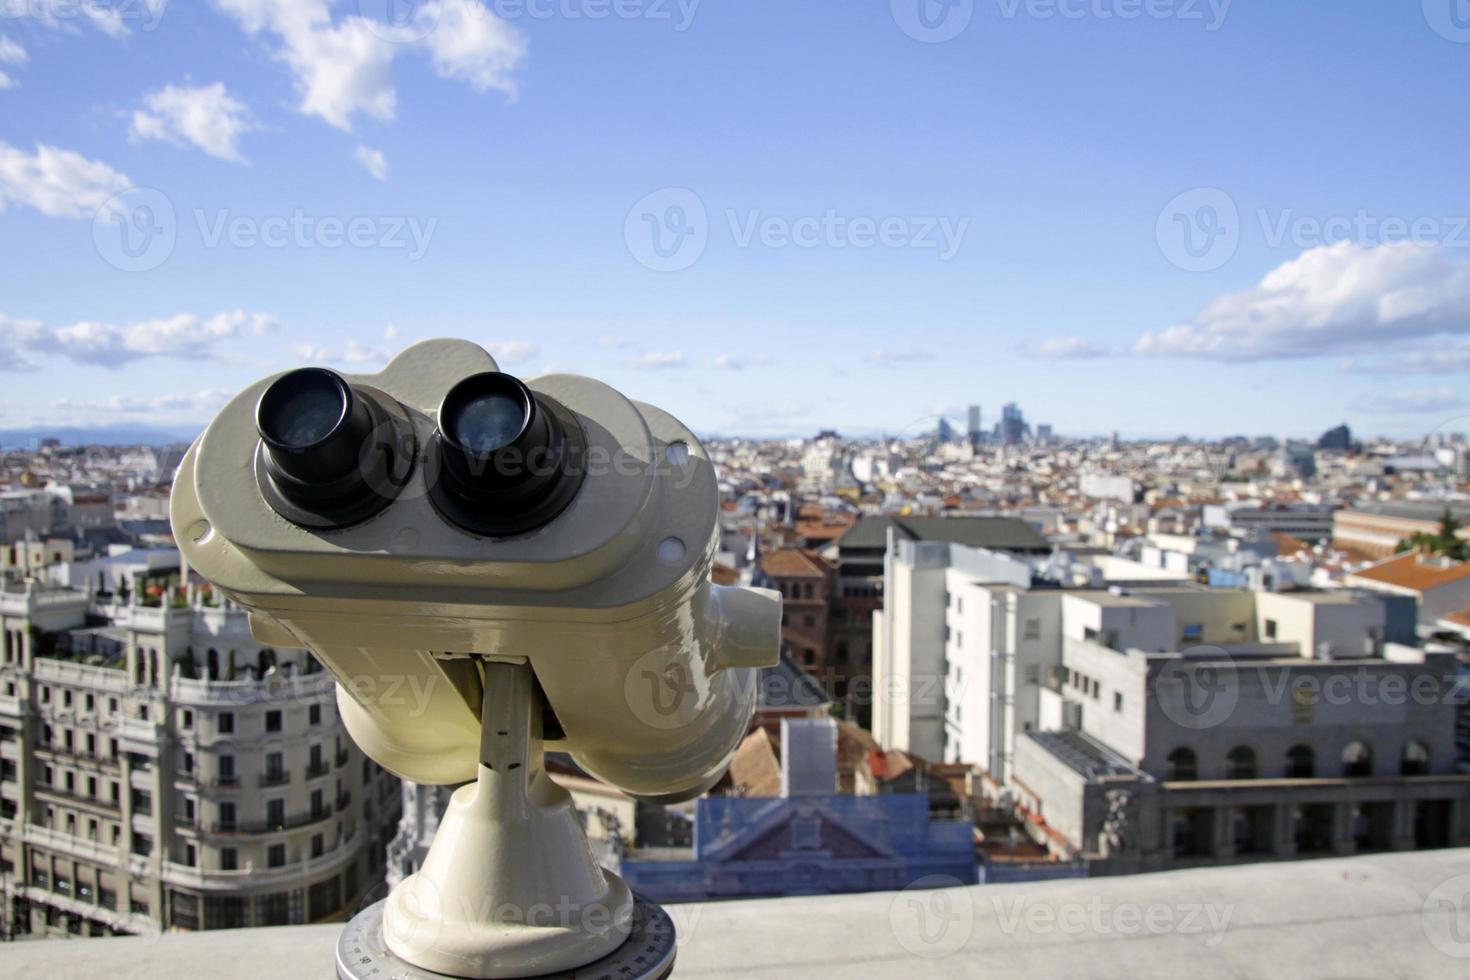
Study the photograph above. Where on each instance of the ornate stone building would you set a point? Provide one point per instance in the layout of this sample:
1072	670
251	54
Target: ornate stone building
161	769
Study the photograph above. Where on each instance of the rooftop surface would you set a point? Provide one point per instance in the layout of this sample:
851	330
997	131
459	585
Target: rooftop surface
1382	916
1004	533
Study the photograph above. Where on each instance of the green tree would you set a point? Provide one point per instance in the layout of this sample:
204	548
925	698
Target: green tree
1446	541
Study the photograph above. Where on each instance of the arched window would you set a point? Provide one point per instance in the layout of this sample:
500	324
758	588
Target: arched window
1183	765
1301	762
1357	761
265	661
1241	763
1416	759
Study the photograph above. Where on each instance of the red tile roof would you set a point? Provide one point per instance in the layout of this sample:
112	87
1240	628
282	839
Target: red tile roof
1413	570
794	563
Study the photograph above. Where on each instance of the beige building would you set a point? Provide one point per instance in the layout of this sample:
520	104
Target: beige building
1441	585
163	770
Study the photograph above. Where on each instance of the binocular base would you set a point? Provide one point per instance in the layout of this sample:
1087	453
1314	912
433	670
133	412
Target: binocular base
647	954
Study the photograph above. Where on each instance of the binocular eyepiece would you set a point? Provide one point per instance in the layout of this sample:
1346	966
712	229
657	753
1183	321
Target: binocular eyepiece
503	460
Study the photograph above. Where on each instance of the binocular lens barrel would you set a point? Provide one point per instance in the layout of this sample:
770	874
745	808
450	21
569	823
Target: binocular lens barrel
507	456
330	455
313	425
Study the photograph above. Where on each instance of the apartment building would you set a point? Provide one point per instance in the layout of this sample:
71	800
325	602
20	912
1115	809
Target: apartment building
1157	725
1376	529
161	769
1154	760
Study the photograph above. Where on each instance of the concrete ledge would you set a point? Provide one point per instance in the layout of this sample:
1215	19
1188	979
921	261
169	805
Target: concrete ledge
1383	916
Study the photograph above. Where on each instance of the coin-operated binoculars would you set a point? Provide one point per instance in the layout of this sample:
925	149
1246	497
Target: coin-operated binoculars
534	557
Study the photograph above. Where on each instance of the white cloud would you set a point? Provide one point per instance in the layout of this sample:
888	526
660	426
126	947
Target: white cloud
311	352
208	117
891	357
359	353
374	161
1330	299
768	412
16	337
511	351
185	335
188	404
62	15
1066	349
344	68
1434	357
470	44
354	352
731	362
659	360
58	183
10	54
1415	400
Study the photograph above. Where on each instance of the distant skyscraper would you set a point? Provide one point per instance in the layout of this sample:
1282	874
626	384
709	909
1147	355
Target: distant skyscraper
1012	427
1043	434
974	426
1338	438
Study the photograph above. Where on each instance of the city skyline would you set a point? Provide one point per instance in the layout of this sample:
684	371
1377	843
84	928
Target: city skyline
1116	217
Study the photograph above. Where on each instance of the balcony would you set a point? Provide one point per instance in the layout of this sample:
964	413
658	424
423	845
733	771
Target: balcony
281	778
268	826
316	770
251	876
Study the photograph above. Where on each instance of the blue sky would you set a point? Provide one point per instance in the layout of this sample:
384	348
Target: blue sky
858	224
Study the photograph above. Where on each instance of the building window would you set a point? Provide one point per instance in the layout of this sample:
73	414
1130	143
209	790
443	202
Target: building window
1357	761
1032	630
1118	701
1416	759
225	723
1240	763
1301	762
227	815
276	856
1183	766
314	714
226	769
187	719
272	721
1270	629
275	813
229	859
